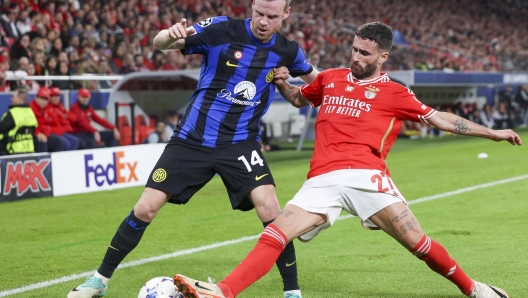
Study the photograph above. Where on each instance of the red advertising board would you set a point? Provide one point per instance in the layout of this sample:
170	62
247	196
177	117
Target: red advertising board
25	176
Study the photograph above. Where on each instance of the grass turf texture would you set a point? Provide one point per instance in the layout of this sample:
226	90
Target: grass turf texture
484	230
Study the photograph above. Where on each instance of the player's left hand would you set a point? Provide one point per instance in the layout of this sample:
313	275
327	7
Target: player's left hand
280	75
507	135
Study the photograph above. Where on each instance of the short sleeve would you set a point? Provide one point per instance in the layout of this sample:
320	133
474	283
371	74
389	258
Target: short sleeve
313	93
300	65
408	107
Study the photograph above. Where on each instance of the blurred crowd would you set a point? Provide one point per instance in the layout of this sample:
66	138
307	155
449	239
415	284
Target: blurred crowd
68	37
115	36
510	111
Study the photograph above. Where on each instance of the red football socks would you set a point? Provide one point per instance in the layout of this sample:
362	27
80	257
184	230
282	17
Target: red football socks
257	263
438	259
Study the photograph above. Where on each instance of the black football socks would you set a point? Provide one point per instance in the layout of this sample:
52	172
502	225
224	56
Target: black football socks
125	240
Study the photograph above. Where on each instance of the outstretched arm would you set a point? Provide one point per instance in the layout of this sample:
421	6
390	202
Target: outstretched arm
453	123
174	37
288	91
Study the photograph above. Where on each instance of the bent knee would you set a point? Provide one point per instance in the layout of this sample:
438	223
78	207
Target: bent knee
149	204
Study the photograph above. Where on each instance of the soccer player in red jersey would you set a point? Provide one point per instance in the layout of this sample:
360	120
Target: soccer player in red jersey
361	113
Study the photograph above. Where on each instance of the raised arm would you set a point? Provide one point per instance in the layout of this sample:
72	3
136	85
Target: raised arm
174	37
453	123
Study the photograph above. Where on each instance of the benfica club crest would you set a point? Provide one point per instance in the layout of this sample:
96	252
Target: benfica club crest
371	92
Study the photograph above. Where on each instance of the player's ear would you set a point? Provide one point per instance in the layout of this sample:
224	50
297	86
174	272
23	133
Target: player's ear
286	13
383	57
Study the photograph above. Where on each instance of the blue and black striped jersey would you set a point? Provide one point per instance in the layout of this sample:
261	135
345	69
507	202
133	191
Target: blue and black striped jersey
235	87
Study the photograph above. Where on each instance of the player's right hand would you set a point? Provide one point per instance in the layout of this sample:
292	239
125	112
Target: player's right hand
280	75
180	30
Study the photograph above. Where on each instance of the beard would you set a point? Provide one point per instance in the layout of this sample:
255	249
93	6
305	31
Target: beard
362	73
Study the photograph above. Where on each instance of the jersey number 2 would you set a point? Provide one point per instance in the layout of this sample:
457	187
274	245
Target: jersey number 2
255	159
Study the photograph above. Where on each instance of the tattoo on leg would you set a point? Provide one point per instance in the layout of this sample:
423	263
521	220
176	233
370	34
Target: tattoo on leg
461	127
408	226
401	216
286	213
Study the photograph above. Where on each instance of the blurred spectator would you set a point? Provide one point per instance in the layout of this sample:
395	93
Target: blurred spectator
63	70
157	136
60	121
18	126
37	45
127	64
139	63
20	48
8	21
30	84
118	54
39	62
171	121
502	118
84	130
522	100
56	47
486	116
507	96
44	140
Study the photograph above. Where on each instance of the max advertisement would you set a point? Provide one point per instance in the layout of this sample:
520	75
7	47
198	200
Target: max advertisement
103	169
27	176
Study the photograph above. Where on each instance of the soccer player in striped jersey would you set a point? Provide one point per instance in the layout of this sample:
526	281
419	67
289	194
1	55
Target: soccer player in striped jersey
219	131
361	113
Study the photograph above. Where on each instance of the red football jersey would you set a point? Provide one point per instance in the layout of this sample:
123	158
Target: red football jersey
358	120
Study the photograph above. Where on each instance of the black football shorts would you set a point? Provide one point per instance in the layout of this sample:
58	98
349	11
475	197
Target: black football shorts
183	169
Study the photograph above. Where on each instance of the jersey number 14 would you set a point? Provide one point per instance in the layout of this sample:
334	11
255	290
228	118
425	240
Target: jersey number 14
255	160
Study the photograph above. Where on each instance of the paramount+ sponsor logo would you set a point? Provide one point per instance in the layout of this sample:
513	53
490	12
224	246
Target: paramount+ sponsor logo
119	170
25	178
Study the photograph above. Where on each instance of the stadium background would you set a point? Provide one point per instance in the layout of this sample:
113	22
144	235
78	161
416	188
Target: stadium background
115	38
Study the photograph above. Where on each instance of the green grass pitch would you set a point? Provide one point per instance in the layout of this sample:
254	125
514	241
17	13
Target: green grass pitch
485	230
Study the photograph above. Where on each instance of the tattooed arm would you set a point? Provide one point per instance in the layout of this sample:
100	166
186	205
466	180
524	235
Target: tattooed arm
453	123
288	91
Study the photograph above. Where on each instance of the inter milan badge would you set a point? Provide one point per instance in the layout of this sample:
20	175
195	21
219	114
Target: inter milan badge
371	92
349	88
206	22
269	76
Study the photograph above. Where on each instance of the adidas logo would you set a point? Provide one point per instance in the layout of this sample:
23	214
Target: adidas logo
331	85
451	271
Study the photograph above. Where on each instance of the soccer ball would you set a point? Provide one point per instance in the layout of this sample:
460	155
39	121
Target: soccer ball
159	287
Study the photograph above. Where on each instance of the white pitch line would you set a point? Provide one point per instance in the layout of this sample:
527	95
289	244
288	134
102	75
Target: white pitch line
48	283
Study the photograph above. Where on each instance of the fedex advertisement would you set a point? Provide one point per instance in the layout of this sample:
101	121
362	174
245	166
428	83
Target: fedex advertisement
103	169
25	176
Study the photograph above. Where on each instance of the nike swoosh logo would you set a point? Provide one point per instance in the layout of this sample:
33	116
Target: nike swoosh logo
288	265
204	288
228	63
260	177
113	247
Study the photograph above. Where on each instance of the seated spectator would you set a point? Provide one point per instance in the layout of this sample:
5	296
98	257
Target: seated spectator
486	116
18	126
501	117
20	48
44	140
8	21
157	136
60	121
84	130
